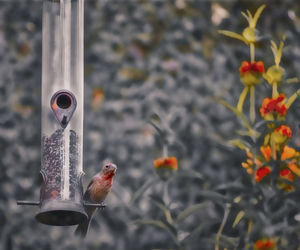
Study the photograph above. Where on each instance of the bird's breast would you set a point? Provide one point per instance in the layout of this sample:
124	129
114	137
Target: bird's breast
99	191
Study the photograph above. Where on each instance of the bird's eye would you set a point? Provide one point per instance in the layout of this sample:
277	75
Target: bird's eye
107	166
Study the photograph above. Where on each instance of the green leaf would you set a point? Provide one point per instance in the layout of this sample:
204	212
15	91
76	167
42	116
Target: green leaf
160	224
201	228
143	189
257	15
228	242
213	196
190	174
157	199
238	218
231	186
233	35
191	209
241	116
240	144
292	80
160	204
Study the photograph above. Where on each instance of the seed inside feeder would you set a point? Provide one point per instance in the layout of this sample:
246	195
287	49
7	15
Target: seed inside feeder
54	150
61	192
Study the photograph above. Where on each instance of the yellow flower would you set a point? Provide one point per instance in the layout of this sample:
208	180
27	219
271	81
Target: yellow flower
275	73
277	139
282	133
249	34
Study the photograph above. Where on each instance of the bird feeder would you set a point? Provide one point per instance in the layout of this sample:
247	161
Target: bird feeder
61	198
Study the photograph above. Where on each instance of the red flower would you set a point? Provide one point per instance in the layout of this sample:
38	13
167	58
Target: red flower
251	73
275	105
284	130
255	67
265	244
287	174
261	173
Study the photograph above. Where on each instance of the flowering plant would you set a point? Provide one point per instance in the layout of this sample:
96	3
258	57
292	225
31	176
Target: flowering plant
273	110
271	162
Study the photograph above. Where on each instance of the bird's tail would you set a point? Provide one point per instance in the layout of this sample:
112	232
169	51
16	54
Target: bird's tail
82	228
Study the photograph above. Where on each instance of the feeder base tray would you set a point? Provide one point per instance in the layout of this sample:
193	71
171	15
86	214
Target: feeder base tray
61	213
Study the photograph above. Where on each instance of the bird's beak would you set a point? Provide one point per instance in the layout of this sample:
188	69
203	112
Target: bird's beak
113	167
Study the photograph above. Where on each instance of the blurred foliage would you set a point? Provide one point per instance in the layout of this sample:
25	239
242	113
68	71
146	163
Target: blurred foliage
145	58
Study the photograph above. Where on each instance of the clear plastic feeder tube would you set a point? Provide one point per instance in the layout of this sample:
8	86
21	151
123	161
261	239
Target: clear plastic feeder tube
62	112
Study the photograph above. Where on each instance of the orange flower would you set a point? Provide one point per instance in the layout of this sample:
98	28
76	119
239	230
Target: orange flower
248	166
272	106
165	167
266	151
284	131
288	188
168	162
261	173
287	174
97	98
288	153
255	67
292	166
265	244
250	162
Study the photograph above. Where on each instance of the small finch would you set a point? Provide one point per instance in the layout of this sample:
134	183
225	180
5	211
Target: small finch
96	192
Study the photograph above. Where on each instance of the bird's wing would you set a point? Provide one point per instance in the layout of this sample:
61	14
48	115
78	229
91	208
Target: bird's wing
86	195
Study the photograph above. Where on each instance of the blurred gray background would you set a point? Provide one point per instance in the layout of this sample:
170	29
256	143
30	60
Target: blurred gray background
143	58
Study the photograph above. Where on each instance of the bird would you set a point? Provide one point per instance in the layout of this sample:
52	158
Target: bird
96	192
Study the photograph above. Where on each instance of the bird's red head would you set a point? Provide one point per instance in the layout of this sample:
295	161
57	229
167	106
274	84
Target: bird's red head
109	170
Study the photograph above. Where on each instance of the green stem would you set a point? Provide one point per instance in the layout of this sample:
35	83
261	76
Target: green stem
243	118
252	52
166	198
165	150
273	147
226	213
292	99
250	225
242	99
274	90
252	104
